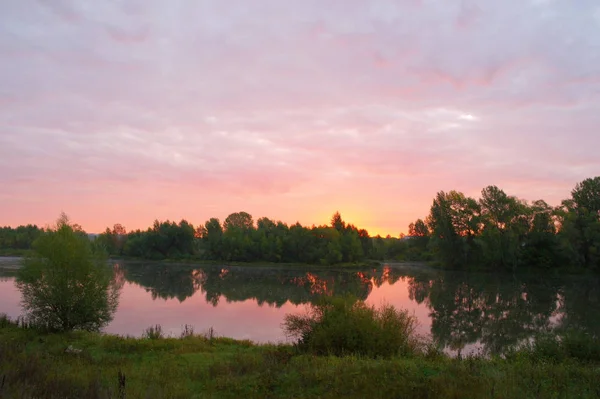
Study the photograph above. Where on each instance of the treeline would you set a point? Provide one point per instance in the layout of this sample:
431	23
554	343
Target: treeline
502	232
496	231
239	238
20	238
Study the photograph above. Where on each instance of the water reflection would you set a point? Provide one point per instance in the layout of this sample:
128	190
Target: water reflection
460	311
487	309
491	310
266	285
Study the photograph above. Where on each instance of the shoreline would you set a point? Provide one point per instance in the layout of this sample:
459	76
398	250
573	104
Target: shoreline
81	364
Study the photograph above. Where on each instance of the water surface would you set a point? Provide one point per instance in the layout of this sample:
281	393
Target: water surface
463	312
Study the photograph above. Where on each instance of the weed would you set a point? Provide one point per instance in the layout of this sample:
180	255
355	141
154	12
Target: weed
210	334
187	331
154	332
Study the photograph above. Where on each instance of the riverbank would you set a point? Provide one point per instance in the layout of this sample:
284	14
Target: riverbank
208	262
80	364
9	258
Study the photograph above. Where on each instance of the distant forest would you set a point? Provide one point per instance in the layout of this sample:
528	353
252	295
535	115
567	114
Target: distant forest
496	231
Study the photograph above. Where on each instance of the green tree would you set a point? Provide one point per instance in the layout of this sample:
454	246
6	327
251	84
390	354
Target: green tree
454	224
504	220
239	220
20	237
580	224
268	239
586	195
418	241
337	222
352	249
541	247
418	229
213	239
65	284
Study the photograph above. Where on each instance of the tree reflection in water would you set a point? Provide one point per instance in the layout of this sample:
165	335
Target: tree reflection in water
498	310
493	311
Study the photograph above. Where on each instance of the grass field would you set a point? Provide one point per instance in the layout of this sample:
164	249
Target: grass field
90	365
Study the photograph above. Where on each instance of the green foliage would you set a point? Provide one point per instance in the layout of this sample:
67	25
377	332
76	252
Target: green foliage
497	231
239	240
238	221
345	326
5	321
113	241
34	365
570	345
501	232
580	224
20	238
337	222
454	223
586	195
65	284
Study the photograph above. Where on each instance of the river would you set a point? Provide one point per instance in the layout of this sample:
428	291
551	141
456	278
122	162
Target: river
463	312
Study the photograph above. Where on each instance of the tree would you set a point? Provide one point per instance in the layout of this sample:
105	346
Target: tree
454	224
586	194
505	223
65	284
580	223
337	222
213	239
238	220
19	238
352	249
418	229
419	240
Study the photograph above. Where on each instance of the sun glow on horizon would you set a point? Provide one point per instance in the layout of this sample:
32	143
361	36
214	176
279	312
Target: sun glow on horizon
129	131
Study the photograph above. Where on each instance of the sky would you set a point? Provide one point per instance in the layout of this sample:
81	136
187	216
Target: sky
135	110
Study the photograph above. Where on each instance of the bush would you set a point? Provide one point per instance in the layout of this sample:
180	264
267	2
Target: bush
343	325
66	285
557	348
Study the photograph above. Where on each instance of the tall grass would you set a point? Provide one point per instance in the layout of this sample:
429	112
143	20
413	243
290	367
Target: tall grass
20	322
556	348
153	332
345	326
34	364
5	321
187	331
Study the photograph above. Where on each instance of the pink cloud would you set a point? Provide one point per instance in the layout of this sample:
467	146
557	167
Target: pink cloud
126	113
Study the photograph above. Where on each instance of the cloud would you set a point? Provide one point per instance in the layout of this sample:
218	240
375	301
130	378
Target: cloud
251	104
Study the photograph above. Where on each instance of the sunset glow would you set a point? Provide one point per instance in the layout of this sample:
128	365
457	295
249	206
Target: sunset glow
127	112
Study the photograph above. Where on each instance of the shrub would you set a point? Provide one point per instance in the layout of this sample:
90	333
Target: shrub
343	325
582	346
558	347
65	284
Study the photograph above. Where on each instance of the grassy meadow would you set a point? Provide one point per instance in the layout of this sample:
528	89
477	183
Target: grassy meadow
91	365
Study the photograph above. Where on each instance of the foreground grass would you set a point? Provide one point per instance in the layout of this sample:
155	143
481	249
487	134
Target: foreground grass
87	365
